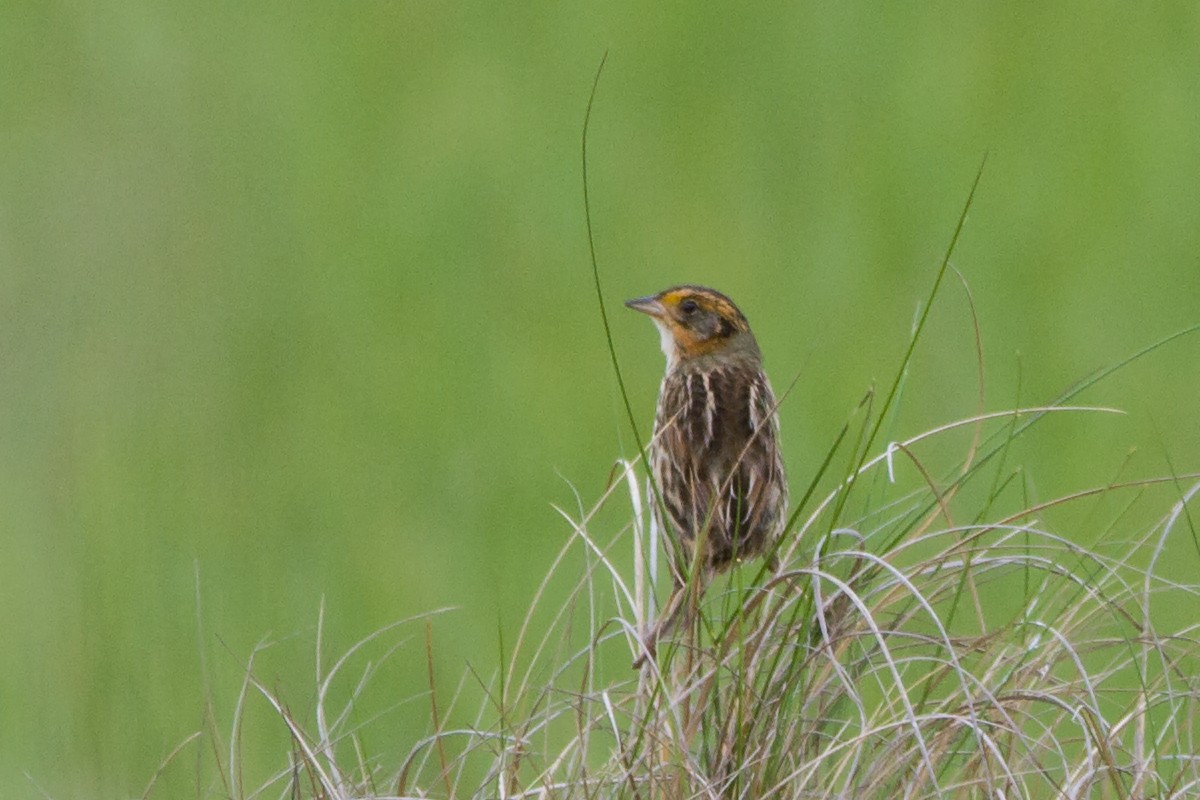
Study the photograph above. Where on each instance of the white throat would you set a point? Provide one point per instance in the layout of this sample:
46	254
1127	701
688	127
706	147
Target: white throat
667	342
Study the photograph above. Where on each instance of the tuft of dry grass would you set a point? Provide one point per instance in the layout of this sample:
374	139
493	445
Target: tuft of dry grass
941	640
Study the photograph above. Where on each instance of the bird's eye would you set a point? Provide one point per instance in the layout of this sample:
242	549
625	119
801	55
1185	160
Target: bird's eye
688	306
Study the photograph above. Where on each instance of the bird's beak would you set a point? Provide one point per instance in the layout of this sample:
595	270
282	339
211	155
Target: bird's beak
647	305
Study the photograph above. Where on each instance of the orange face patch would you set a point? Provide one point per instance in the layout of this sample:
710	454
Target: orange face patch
691	342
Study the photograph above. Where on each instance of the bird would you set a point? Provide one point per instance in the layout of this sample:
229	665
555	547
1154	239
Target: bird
714	454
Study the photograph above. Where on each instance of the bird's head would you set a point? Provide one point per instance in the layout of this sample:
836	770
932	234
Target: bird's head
695	321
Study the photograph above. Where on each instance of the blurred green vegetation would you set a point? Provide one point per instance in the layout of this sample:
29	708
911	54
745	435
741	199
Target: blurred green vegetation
296	299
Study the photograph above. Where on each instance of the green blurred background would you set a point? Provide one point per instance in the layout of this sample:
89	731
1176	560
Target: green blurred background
296	298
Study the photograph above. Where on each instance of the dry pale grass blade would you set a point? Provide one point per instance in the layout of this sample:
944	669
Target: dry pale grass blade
166	762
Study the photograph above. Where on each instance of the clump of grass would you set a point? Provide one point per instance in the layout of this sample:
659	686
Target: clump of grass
941	640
